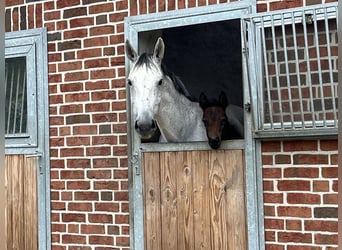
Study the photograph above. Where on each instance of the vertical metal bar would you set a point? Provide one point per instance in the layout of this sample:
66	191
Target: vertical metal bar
10	100
23	101
332	87
267	80
294	34
277	73
308	70
319	68
18	69
287	69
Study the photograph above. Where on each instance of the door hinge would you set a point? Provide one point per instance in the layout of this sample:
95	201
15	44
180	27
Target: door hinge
134	159
248	107
37	154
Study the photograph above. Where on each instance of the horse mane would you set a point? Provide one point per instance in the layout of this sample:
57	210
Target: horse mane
147	59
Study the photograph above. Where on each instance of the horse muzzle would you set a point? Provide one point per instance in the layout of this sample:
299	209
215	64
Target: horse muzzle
146	129
214	143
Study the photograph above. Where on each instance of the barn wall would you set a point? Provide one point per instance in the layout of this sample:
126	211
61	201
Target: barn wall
88	133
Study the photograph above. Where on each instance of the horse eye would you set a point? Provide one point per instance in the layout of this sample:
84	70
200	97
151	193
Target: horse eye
160	82
129	82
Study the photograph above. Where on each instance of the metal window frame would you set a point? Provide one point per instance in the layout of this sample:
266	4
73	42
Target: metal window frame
253	176
33	45
254	26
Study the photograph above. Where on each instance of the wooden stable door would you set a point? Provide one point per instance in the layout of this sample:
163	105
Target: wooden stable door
21	202
194	200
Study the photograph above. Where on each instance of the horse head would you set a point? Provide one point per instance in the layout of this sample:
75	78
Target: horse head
145	79
214	118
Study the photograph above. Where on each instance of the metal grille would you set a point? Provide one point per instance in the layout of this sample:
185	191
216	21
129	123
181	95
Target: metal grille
16	96
295	59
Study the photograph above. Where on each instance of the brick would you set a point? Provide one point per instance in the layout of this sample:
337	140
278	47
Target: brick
106	196
82	185
94	42
78	141
104	117
304	145
70	217
267	160
103	185
329	239
294	237
77	119
101	84
86	196
320	186
78	163
95	174
330	172
301	172
102	74
80	206
88	53
69	66
101	8
274	224
102	30
330	198
105	162
72	174
293	185
107	207
101	140
71	87
96	63
271	173
84	130
322	226
81	22
303	198
71	108
97	107
329	145
78	33
270	146
92	229
122	241
294	211
310	159
325	212
273	198
282	159
74	44
295	225
74	12
103	95
74	238
76	76
115	230
121	196
64	152
121	219
98	151
100	218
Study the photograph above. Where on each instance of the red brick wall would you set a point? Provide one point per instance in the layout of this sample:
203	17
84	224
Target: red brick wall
300	194
88	134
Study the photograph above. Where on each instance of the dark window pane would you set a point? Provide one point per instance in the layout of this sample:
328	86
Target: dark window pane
16	96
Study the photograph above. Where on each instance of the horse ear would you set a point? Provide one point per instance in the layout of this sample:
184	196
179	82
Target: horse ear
203	101
223	99
130	52
159	49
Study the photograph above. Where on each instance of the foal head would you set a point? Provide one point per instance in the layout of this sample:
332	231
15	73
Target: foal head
145	79
214	118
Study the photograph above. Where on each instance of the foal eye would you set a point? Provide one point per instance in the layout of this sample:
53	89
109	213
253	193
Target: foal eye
160	82
129	82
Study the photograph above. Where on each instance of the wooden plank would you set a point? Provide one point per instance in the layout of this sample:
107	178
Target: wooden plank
151	172
168	200
184	200
218	203
21	202
200	171
235	196
30	209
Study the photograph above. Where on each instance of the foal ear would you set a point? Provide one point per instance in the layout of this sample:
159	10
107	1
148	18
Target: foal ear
130	52
159	49
203	101
223	99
